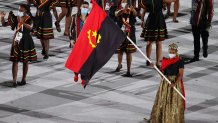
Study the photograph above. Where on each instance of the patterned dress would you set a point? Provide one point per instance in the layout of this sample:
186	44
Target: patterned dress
155	26
69	3
169	106
127	46
65	3
24	50
43	19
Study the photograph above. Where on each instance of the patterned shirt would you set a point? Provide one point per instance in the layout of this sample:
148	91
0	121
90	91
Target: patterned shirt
201	12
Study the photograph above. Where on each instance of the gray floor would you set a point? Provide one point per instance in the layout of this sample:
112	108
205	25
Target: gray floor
51	96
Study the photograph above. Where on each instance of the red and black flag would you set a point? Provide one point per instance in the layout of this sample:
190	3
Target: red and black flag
97	42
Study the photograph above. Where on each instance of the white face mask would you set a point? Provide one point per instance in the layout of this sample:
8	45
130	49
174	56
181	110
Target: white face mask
20	14
34	14
172	55
84	11
123	5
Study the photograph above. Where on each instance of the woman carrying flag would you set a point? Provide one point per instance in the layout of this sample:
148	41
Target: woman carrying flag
77	23
169	106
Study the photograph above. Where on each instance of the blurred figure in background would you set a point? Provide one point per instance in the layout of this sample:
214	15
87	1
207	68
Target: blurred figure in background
66	10
43	27
201	17
176	9
128	17
155	29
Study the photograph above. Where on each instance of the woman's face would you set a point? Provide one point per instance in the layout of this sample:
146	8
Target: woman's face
172	51
84	9
22	9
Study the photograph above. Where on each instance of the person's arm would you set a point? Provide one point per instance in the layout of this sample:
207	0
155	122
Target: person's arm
133	10
118	13
25	24
179	77
72	35
143	17
2	15
28	2
210	11
3	21
53	5
125	23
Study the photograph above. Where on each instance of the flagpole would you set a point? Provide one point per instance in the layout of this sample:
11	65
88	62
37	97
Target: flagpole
155	67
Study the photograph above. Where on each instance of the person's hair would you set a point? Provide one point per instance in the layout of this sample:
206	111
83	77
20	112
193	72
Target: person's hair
27	8
79	10
173	46
85	2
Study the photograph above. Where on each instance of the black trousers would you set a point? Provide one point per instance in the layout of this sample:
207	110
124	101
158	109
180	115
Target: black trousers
198	33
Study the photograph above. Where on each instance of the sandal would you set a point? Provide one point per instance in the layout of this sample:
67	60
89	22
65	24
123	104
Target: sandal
147	120
45	58
12	84
127	74
57	24
148	63
83	83
119	67
65	34
76	78
167	16
43	52
23	82
158	66
175	21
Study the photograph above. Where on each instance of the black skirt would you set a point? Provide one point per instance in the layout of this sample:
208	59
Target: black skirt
66	3
126	47
24	51
44	28
155	27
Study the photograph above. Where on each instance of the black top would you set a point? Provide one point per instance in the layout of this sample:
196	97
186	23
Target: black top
154	6
132	18
45	7
173	69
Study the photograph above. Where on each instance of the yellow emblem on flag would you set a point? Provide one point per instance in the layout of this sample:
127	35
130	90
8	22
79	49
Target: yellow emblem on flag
95	35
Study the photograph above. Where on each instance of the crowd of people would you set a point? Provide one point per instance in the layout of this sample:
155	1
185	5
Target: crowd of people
169	107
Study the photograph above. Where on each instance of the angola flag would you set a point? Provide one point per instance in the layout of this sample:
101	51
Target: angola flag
97	42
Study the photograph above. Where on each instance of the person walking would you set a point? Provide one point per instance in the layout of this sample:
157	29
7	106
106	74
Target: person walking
201	17
176	9
155	29
44	30
77	23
